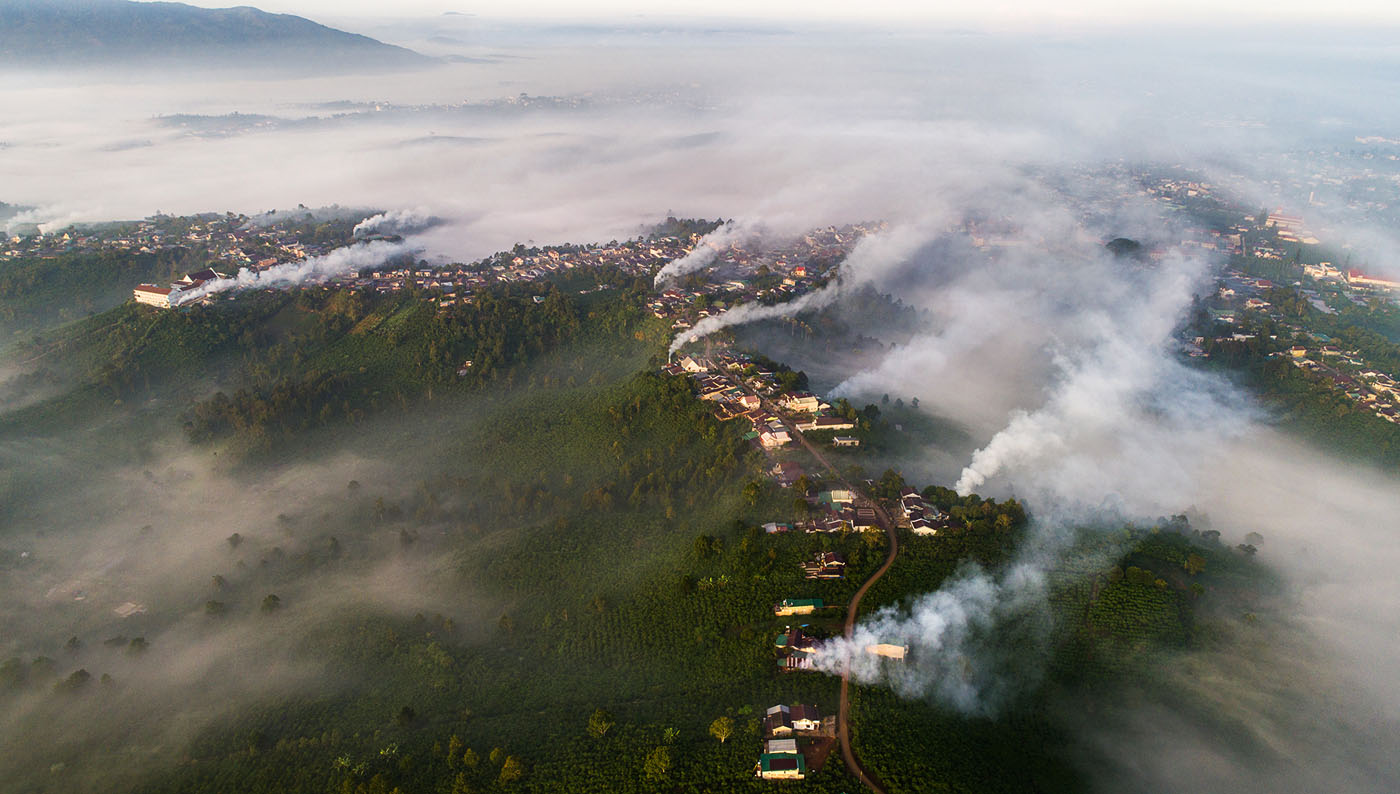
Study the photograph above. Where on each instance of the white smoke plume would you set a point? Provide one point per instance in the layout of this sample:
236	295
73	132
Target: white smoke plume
869	257
341	261
1107	389
1116	435
753	312
951	639
704	253
405	221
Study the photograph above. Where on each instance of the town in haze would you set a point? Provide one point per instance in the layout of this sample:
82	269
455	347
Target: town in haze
441	400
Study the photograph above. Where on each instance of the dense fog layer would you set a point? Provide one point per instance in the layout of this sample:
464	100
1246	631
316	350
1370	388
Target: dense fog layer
1053	356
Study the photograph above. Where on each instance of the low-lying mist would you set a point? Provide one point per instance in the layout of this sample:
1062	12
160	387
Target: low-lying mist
177	592
1061	361
1054	358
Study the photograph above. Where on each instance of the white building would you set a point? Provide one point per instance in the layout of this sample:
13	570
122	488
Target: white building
1356	278
803	403
691	365
151	295
774	438
175	294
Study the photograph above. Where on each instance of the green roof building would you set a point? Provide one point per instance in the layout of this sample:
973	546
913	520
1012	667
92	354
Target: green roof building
782	766
797	606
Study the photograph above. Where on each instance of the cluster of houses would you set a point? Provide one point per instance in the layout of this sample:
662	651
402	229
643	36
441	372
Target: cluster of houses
1354	278
455	283
923	518
825	565
727	390
797	649
1239	295
1179	192
1364	385
787	731
793	268
738	386
1347	371
829	511
233	241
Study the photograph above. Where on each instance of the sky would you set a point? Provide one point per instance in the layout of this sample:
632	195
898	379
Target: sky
996	13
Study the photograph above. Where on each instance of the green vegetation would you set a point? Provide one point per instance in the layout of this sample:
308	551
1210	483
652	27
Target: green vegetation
579	537
36	293
1311	404
1116	619
1122	602
916	747
607	620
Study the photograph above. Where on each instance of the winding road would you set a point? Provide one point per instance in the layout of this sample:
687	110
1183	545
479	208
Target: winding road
843	717
843	714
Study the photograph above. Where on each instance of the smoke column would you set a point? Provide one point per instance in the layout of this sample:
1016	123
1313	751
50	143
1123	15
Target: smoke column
702	255
341	261
753	312
1104	387
396	222
1115	438
956	640
865	262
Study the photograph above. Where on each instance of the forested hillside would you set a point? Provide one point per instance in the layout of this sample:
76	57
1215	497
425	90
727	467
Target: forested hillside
579	593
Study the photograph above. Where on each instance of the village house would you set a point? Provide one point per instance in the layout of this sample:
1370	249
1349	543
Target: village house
787	473
783	721
825	565
864	519
151	295
175	294
781	766
839	496
772	439
691	365
825	423
797	606
1357	278
845	441
795	640
802	403
805	718
781	746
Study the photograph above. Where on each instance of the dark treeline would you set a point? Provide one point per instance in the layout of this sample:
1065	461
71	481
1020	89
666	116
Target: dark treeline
39	292
315	356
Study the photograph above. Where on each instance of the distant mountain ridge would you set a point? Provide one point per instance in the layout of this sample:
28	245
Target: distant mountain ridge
62	33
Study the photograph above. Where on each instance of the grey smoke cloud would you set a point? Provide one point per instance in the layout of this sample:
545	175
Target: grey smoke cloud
1124	379
703	255
403	221
342	261
1119	429
955	639
754	312
872	253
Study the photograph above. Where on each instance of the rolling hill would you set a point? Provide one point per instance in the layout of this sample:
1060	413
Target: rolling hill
66	33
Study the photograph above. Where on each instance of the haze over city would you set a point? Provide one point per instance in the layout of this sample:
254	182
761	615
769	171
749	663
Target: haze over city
699	397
